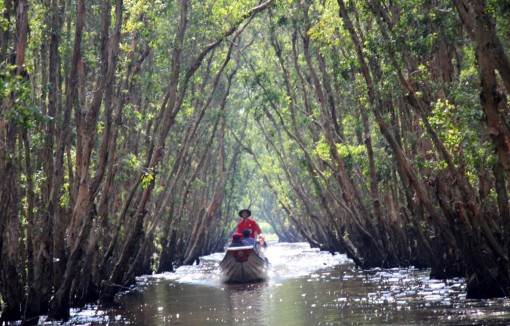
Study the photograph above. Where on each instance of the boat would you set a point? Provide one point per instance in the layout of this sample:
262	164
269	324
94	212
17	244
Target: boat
244	264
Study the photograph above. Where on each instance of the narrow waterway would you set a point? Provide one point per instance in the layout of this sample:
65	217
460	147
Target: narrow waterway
305	287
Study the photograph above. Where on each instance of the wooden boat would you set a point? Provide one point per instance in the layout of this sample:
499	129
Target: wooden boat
243	264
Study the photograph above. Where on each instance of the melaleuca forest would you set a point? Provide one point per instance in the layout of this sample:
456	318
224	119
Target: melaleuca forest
132	132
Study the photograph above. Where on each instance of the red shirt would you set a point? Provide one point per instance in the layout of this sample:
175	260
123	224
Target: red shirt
248	224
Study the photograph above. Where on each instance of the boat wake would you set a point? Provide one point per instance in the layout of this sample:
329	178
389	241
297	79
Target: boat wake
291	260
286	260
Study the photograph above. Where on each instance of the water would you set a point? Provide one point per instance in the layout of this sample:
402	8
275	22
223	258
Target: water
305	287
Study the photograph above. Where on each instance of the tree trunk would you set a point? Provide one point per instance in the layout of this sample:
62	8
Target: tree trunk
11	287
60	303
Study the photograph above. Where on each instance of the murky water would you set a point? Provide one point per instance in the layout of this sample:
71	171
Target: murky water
305	287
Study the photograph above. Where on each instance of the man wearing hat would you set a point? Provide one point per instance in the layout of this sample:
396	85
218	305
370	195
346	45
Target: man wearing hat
248	224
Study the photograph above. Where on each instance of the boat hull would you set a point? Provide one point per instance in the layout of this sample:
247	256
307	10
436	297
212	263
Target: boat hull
243	264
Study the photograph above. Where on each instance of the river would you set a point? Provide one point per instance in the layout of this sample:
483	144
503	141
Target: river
304	287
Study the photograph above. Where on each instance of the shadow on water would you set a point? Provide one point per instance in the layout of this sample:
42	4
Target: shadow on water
305	287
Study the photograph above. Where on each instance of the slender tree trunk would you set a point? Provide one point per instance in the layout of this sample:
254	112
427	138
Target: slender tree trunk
169	114
4	32
11	287
60	303
409	171
213	207
10	281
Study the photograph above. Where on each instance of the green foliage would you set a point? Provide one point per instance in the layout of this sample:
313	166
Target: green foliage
445	119
354	156
328	30
4	23
16	92
38	13
198	184
265	227
459	121
323	149
147	179
421	38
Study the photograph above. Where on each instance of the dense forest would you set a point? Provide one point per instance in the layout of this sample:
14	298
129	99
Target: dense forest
132	131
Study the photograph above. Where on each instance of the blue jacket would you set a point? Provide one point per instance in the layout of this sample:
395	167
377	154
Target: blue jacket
249	242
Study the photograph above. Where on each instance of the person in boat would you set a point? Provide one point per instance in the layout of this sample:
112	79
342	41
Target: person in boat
262	241
237	240
248	224
247	241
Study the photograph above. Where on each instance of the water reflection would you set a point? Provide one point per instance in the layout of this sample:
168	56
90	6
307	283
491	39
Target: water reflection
305	287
